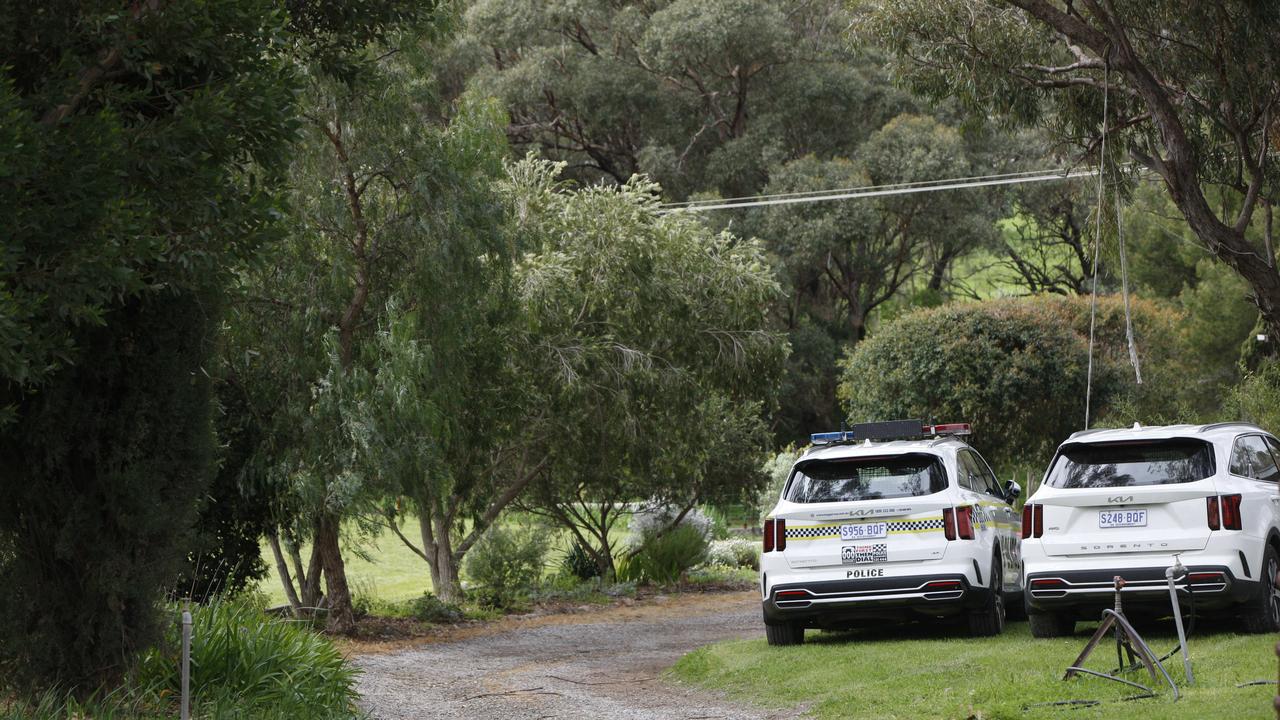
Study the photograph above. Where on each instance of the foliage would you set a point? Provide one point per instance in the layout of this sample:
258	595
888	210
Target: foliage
734	552
638	324
429	608
224	553
130	189
1177	86
652	518
506	564
1017	370
777	469
1014	373
698	95
1257	398
246	664
578	562
663	558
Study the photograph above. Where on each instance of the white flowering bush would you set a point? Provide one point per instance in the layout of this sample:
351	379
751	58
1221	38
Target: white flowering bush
735	553
652	517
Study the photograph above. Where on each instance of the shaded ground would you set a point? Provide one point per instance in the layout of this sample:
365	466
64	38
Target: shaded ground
606	663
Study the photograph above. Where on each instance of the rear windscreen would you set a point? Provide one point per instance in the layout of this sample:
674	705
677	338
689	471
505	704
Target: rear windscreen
1107	465
868	478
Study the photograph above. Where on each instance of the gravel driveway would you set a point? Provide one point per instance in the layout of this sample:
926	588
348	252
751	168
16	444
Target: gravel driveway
605	664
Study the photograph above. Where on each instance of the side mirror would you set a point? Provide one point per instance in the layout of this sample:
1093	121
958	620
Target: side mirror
1011	491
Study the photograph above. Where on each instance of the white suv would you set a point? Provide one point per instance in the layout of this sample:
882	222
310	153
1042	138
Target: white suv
1125	502
871	527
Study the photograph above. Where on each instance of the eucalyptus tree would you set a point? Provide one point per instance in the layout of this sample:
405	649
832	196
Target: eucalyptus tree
386	204
701	95
646	348
1189	92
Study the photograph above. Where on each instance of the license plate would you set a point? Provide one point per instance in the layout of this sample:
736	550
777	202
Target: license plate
864	531
1122	518
862	554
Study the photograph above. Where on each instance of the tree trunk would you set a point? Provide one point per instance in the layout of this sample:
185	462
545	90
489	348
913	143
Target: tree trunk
341	615
311	595
282	567
440	559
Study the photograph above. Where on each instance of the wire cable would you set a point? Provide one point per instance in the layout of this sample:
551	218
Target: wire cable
828	191
876	191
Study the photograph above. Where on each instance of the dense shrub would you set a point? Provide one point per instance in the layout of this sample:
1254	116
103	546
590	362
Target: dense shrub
664	557
1257	399
652	517
777	469
432	609
506	564
1016	369
99	481
734	552
247	665
578	563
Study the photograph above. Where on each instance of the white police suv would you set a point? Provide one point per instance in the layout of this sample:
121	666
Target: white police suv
1125	502
889	521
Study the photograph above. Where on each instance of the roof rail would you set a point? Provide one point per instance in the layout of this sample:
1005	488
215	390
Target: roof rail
1232	423
1082	433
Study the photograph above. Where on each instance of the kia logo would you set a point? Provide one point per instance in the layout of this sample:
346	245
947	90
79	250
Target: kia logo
1120	499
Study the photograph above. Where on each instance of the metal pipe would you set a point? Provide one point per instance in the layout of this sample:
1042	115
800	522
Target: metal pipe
186	665
1177	570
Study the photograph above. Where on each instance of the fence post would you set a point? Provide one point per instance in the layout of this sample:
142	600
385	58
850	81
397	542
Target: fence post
186	665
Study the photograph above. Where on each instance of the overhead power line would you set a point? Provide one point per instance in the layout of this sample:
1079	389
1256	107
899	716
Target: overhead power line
877	190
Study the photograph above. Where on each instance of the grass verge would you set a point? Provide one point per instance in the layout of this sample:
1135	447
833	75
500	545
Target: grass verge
929	672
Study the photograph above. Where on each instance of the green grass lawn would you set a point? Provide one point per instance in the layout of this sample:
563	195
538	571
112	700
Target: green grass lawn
922	672
384	570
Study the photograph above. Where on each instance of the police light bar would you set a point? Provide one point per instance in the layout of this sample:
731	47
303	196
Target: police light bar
947	429
892	430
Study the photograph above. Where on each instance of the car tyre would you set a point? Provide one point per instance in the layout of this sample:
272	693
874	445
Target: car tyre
1262	614
784	634
989	620
1049	624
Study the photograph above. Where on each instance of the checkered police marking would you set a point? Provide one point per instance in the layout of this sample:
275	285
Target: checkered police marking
829	531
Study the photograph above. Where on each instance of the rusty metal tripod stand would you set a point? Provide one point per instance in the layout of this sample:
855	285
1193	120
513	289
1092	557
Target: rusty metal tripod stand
1128	643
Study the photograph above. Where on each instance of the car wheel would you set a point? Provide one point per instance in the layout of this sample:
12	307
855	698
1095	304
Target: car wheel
785	634
1050	624
1262	614
990	619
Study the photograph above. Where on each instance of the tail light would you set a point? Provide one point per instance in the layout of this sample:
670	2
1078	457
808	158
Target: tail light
1038	524
1231	512
768	535
780	527
964	522
1046	583
941	585
958	522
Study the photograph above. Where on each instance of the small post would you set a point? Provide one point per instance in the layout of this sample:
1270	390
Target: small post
186	665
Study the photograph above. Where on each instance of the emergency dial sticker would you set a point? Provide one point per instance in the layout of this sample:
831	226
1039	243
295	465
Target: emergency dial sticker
860	554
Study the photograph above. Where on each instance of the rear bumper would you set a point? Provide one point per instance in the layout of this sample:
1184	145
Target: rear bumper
842	603
1089	591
